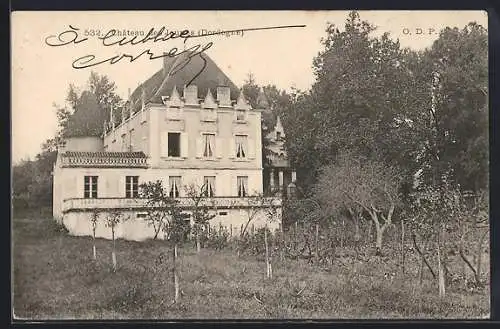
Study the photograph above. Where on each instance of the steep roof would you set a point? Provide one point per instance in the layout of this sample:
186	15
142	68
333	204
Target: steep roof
183	69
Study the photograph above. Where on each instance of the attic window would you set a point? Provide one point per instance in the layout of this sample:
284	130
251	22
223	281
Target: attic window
278	135
240	115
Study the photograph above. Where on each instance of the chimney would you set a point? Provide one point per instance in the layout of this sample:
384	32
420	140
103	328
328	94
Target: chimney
224	96
191	95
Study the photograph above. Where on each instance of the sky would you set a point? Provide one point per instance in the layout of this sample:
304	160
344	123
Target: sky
41	73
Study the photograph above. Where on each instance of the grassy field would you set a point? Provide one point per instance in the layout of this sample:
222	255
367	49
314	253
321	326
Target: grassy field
56	278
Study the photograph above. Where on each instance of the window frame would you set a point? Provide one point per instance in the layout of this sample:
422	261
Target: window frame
90	188
177	192
242	187
131	187
209	193
179	136
205	143
244	146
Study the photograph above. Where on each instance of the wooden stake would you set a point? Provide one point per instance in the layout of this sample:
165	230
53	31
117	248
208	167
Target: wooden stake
441	283
94	252
283	246
198	243
295	242
317	242
113	255
342	234
268	264
403	246
175	278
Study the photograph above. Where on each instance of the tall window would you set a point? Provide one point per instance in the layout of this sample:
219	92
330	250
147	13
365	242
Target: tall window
241	146
174	183
208	147
90	187
278	135
132	186
174	144
242	182
209	186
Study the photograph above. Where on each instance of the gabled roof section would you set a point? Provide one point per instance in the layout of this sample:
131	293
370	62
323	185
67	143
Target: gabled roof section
183	69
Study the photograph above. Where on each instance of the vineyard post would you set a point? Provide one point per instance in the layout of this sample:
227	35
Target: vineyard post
403	246
441	283
268	263
317	242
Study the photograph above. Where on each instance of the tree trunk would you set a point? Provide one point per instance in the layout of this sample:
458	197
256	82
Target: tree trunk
198	244
113	254
369	234
424	260
94	252
174	273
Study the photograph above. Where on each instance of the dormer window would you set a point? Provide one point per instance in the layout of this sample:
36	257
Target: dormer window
240	115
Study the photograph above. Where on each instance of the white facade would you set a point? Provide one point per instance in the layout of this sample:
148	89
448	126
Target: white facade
182	141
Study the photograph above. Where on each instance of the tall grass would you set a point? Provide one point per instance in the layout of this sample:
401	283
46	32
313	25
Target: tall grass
55	277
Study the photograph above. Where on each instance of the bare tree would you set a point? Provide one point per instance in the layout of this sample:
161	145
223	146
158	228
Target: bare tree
94	219
360	184
156	201
201	210
113	218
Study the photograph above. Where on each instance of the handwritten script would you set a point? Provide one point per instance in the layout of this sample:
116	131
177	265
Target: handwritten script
73	36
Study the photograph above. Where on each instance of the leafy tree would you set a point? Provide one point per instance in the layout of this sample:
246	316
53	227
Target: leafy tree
355	104
453	127
83	115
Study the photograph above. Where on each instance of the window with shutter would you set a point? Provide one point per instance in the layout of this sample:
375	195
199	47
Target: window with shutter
251	148
219	145
184	145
